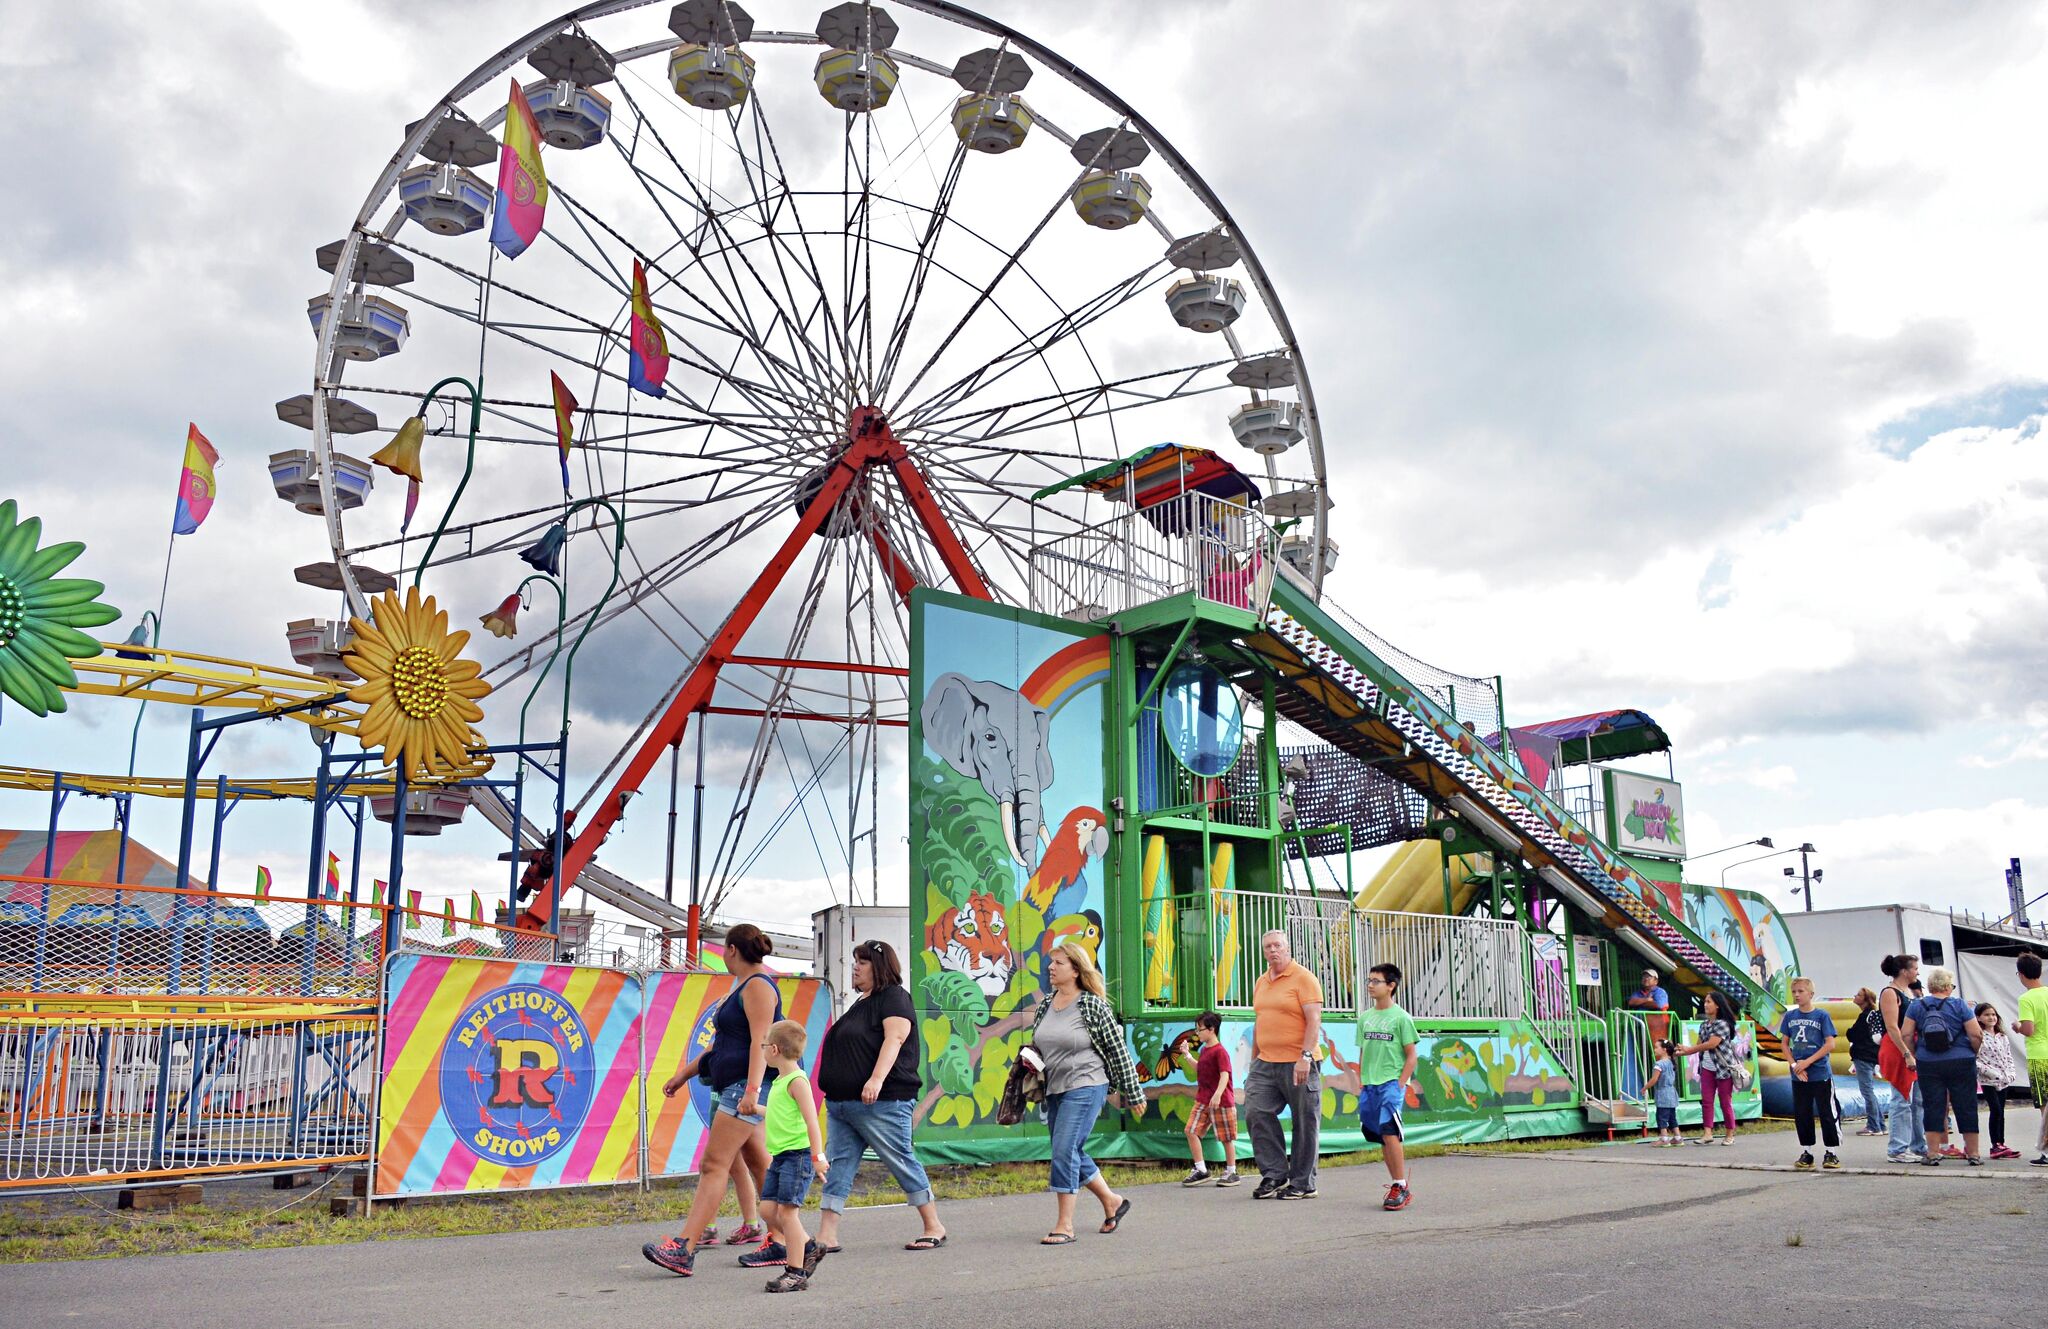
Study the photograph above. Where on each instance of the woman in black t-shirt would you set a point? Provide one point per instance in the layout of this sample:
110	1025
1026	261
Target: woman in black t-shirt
870	1083
1865	1034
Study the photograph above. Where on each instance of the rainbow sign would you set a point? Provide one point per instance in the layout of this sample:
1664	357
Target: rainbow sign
503	1075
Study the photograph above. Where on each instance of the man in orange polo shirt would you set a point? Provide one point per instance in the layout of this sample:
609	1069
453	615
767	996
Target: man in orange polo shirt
1286	1074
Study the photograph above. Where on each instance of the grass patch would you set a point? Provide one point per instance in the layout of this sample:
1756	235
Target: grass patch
241	1216
1795	1239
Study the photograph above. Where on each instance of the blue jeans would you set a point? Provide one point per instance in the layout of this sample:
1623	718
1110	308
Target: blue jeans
1069	1117
1907	1134
1866	1084
788	1179
884	1127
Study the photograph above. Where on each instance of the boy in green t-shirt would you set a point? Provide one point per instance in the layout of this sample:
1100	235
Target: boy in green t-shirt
1386	1067
797	1149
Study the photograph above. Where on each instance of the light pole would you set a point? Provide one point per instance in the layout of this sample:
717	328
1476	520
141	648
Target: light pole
1758	859
1763	841
1807	874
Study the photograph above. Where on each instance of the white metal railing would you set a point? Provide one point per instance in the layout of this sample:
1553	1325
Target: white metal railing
87	1099
1632	1054
1552	1010
1318	930
1214	547
1452	968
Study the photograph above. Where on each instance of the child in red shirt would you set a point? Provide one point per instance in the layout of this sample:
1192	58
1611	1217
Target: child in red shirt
1215	1104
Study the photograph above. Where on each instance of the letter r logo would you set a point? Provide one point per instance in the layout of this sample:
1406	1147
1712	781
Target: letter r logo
525	1065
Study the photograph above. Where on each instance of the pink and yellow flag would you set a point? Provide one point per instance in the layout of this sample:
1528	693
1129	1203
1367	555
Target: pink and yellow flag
565	422
522	185
476	907
650	344
263	883
333	888
195	486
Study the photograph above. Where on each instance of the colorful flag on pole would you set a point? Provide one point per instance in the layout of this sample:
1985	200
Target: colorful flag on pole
448	917
262	883
650	344
412	903
333	888
412	503
522	185
476	907
565	422
195	485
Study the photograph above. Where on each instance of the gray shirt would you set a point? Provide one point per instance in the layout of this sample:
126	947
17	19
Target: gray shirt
1071	1061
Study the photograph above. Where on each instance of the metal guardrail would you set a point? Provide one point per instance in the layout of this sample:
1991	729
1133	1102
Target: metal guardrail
87	1099
1213	547
1452	968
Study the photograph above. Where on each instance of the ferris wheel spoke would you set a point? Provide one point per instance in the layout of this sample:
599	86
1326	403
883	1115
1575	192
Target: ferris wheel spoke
1038	344
921	267
996	421
1010	263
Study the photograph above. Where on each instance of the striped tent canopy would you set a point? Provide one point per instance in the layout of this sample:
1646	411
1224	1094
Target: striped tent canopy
90	858
1151	476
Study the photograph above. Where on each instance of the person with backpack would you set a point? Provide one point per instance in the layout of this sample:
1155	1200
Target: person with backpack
1086	1055
1944	1036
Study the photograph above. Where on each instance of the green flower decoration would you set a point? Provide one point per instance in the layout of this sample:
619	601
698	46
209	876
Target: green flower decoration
41	614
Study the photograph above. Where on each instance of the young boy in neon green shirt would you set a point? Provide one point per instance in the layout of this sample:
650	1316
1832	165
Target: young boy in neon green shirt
797	1150
1386	1067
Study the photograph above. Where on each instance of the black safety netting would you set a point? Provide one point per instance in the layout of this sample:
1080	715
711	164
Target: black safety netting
1329	787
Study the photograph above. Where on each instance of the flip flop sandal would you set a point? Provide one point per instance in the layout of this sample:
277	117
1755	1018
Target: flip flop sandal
1110	1224
924	1243
1058	1239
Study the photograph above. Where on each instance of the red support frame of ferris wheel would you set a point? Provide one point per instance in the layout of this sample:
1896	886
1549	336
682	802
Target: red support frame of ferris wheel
870	443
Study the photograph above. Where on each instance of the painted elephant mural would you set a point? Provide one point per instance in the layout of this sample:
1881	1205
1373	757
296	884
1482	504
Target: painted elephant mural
992	733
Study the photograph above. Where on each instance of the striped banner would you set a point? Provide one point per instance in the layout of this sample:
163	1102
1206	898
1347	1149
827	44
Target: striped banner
679	1012
503	1075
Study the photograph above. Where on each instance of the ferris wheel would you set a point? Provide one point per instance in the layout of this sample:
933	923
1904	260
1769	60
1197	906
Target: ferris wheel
901	235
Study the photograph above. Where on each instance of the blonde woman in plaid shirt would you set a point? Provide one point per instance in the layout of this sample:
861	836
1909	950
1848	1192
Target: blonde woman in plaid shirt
1086	1056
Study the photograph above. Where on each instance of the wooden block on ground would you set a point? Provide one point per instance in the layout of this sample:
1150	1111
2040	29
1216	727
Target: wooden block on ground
291	1181
147	1198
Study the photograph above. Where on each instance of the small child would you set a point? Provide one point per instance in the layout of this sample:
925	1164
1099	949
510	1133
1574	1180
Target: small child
1997	1072
1809	1034
1386	1067
1215	1104
797	1147
1663	1086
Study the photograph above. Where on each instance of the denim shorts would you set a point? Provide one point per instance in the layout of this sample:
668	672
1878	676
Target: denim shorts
1667	1117
729	1102
789	1178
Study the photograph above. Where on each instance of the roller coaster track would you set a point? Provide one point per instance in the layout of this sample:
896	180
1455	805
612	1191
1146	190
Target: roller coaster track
212	682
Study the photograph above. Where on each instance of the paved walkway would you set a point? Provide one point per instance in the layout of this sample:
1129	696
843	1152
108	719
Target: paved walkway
1618	1235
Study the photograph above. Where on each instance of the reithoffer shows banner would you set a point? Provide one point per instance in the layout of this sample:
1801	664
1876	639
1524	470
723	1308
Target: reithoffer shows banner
503	1075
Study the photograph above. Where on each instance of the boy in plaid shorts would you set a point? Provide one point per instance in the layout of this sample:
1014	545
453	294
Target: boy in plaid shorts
1215	1104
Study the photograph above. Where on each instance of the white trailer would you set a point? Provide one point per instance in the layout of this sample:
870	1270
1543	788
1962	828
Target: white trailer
837	930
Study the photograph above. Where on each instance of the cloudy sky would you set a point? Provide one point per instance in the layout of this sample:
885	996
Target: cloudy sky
1680	357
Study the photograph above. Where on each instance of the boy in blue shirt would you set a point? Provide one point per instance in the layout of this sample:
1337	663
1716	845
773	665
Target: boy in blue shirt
1809	1034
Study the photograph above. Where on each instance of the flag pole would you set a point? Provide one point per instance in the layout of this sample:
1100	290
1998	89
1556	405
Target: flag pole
156	635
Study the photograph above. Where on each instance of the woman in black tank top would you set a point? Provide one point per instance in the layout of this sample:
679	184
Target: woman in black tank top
740	1079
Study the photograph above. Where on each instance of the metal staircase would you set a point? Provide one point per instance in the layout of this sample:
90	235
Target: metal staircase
1334	686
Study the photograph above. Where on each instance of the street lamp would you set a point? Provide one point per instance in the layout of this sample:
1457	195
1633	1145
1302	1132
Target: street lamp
1807	874
1758	859
1762	840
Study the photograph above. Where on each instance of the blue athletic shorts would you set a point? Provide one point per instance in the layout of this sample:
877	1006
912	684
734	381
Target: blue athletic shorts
1379	1111
789	1178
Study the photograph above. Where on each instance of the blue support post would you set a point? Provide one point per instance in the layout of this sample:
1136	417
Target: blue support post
220	818
190	812
124	807
394	922
314	873
49	868
158	1119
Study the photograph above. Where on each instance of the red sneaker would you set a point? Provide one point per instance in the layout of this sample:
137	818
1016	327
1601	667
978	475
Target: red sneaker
673	1255
1951	1152
1397	1196
746	1234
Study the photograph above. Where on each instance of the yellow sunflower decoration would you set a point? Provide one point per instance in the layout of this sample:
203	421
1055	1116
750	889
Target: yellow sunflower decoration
420	692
